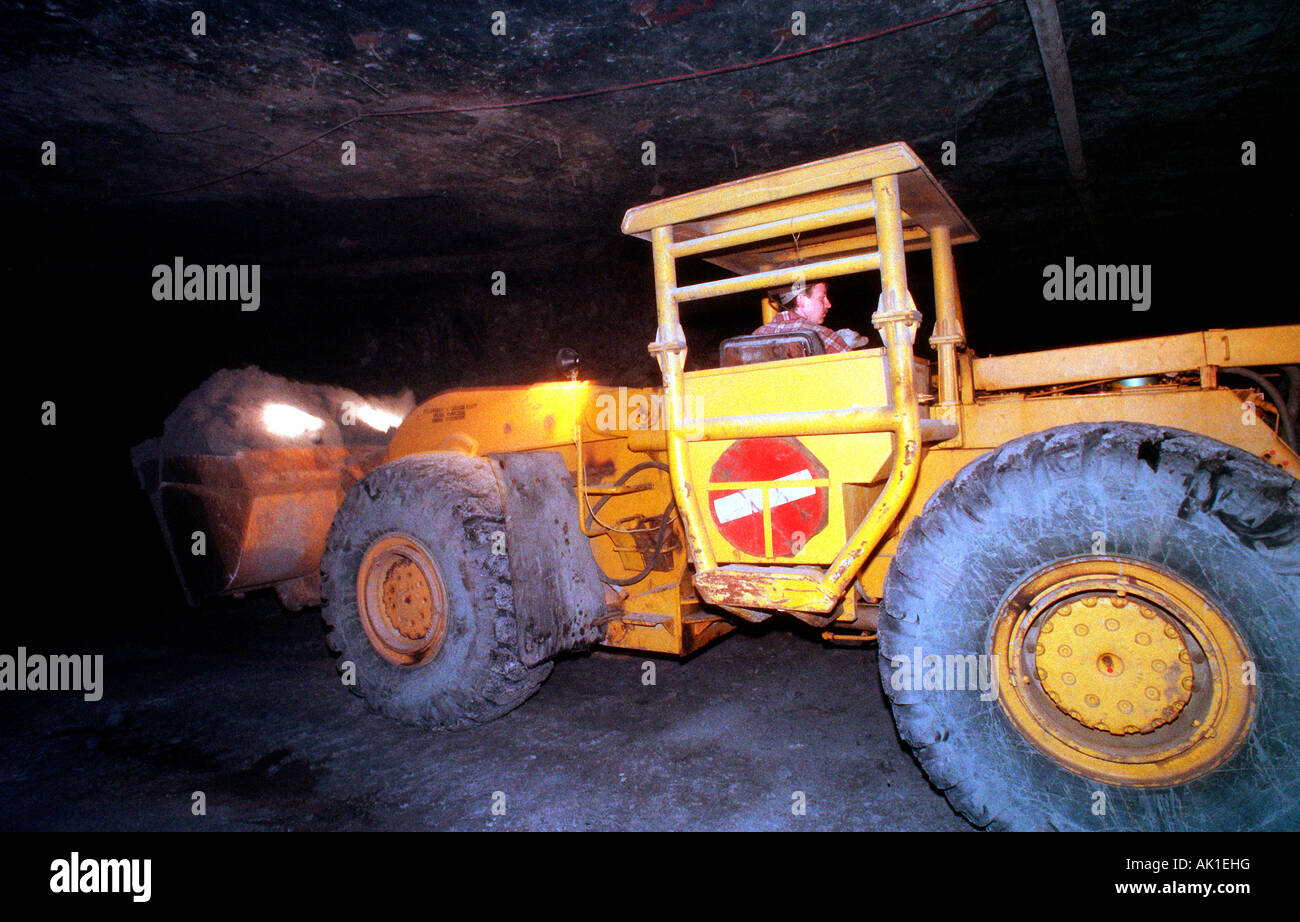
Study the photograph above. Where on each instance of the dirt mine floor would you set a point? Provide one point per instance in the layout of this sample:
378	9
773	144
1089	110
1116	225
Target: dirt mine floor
243	703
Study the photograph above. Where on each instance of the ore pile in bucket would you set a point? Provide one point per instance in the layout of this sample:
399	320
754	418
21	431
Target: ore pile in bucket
228	413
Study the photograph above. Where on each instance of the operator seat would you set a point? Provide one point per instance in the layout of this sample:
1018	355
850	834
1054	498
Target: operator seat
769	347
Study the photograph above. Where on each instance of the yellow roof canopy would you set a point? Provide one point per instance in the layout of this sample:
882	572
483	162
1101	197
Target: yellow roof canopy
817	211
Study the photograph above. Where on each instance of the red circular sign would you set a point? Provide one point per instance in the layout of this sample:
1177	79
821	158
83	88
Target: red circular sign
785	468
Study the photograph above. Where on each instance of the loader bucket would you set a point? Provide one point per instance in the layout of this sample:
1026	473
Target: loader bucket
254	519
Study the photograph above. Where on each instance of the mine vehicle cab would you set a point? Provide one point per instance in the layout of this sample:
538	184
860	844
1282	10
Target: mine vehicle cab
844	413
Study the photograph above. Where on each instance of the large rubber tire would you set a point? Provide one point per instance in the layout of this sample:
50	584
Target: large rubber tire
1214	517
451	505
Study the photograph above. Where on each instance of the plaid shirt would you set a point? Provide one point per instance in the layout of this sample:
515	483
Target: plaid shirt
789	321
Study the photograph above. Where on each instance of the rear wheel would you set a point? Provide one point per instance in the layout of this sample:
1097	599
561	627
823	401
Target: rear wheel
418	599
1132	594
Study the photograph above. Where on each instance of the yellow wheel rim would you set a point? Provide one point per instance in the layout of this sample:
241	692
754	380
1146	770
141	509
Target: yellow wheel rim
402	600
1122	673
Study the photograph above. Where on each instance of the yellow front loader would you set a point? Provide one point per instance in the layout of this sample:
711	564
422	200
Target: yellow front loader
1082	566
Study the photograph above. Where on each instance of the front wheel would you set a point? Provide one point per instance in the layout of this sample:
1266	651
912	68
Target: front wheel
418	599
1097	627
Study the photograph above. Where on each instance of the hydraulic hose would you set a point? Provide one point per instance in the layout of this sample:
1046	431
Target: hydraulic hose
1286	422
665	525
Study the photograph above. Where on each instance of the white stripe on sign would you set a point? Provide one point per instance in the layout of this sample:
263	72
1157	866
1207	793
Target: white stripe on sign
749	502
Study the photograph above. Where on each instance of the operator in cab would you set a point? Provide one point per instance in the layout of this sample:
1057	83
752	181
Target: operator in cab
804	307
